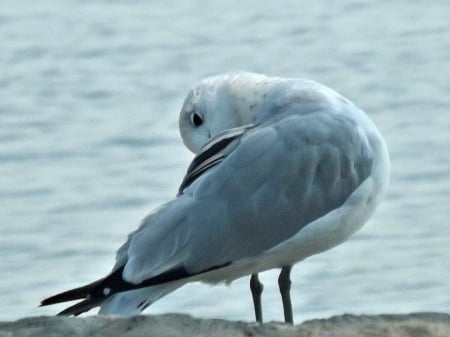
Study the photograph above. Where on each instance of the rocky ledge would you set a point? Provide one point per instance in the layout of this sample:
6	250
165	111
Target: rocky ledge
171	325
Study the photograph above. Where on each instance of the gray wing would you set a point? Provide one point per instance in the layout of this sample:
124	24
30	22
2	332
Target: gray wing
277	178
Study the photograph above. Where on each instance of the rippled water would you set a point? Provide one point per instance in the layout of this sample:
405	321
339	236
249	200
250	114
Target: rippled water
89	98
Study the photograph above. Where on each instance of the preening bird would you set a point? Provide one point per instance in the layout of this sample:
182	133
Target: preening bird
283	169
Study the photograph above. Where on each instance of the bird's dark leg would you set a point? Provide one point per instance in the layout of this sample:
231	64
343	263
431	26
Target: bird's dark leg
284	282
257	288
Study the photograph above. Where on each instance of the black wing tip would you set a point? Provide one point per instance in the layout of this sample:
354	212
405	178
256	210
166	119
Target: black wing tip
66	296
58	298
53	300
85	305
92	295
72	294
80	307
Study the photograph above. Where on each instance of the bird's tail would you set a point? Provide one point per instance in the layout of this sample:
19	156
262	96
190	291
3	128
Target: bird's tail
134	301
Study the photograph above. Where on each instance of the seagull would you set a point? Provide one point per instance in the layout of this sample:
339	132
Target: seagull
284	168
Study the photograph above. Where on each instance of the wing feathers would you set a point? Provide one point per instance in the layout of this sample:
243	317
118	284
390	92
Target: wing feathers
212	154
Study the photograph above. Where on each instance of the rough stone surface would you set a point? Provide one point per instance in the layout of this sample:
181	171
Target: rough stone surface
171	325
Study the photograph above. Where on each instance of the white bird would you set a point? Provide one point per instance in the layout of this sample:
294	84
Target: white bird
284	169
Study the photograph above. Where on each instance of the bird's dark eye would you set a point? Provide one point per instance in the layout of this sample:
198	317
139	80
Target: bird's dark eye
196	119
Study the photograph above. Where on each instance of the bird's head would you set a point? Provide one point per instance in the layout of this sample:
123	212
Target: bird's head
220	103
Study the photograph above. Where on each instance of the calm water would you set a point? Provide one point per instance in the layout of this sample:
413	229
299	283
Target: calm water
89	99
